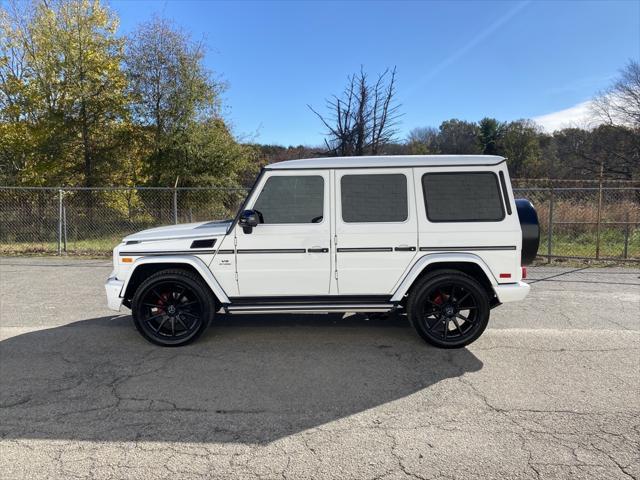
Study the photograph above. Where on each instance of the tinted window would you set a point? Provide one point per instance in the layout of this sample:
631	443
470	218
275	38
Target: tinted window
462	197
291	199
374	198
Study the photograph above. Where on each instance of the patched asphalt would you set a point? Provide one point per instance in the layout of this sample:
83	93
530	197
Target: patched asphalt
551	389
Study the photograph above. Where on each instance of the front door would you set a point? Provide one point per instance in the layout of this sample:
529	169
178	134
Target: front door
287	254
376	229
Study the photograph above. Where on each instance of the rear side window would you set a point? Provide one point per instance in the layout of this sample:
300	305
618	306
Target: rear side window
462	197
374	198
291	199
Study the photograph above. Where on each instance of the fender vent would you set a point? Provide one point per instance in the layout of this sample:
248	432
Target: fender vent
209	243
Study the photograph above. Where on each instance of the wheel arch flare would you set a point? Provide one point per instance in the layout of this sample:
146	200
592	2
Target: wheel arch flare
142	266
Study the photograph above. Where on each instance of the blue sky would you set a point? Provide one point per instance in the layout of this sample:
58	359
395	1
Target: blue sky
459	59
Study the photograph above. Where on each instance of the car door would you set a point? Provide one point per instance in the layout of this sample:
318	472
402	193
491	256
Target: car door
376	228
287	254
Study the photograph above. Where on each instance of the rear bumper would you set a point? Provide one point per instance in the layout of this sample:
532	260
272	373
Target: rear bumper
512	292
113	286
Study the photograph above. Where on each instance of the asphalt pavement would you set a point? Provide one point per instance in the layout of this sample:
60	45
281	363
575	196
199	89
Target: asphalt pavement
551	389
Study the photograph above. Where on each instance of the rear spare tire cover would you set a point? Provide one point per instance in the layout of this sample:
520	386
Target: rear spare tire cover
530	230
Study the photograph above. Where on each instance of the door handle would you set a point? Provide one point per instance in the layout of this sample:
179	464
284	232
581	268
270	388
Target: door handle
405	249
317	250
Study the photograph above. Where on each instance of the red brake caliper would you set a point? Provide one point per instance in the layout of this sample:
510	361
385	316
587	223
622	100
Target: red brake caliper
162	301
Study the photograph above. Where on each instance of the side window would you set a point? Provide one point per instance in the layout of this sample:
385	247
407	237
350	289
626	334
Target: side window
462	197
291	199
374	198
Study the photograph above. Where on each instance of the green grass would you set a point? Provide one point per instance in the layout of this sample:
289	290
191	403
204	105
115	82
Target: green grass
584	244
100	247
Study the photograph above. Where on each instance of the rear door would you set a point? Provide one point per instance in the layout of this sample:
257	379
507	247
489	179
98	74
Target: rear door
376	228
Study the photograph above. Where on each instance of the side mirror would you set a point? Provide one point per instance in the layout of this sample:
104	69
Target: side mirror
248	220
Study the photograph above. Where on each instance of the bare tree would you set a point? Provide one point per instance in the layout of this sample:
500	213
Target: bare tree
363	119
619	105
615	146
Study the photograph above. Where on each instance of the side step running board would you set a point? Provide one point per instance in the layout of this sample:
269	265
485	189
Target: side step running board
309	308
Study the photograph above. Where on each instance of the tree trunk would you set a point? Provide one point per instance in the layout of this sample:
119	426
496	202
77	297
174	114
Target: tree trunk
88	163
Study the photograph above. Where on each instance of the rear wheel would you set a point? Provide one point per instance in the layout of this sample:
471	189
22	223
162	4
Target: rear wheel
449	309
172	308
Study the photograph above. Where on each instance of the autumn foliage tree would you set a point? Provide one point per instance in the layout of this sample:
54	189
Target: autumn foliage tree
81	105
62	90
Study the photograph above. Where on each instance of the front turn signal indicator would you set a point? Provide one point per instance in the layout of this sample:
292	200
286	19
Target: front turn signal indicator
127	260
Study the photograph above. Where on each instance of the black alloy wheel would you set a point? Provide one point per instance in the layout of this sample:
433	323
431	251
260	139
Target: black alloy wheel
172	308
449	309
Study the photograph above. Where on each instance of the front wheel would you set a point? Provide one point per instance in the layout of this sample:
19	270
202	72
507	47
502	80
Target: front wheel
172	308
449	309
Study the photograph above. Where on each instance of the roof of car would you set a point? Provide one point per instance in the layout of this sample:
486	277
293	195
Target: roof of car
388	161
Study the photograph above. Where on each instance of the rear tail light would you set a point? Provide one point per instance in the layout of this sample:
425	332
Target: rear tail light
524	272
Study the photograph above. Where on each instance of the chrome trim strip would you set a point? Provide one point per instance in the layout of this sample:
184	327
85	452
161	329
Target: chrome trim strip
466	249
366	249
271	250
166	252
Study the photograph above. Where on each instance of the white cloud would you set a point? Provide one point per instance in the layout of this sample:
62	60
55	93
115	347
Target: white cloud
579	115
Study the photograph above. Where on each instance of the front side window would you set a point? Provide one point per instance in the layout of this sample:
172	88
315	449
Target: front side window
291	199
462	197
374	198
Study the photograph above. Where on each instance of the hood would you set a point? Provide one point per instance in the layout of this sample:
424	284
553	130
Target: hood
181	231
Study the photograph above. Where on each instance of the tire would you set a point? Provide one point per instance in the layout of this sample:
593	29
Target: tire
172	308
449	309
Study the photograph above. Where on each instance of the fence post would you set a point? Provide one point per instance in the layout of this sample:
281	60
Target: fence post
550	227
626	236
599	217
59	221
175	205
64	227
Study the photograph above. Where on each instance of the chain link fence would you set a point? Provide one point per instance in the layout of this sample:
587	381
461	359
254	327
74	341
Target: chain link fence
93	221
601	223
584	220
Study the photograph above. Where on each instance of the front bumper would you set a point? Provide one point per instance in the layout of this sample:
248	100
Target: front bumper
511	292
113	286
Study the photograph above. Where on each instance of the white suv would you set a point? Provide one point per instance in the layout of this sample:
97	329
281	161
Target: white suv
436	237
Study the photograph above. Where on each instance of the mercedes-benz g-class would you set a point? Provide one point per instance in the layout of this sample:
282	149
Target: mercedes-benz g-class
438	238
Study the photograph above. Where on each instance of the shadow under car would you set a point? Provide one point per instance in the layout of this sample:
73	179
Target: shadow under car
249	379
